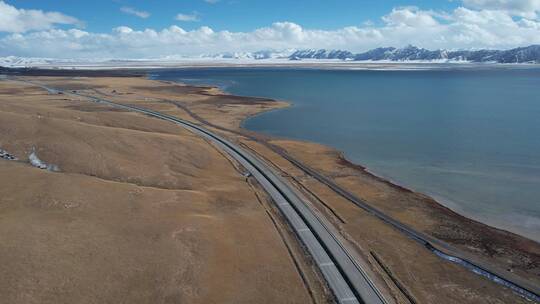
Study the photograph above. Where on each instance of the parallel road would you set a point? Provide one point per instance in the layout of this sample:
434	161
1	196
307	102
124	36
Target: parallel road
520	286
348	281
345	277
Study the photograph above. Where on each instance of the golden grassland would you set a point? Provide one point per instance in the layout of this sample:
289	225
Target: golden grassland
142	211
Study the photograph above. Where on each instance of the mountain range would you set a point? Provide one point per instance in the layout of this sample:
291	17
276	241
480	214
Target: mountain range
530	54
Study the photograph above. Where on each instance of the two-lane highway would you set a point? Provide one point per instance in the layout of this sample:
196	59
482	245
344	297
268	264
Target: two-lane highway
348	281
345	277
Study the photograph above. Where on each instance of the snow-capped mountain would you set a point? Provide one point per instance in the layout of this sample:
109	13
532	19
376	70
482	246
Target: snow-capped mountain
530	54
15	61
322	54
258	55
20	61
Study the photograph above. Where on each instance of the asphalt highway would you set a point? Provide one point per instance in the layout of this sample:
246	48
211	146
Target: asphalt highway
346	278
348	281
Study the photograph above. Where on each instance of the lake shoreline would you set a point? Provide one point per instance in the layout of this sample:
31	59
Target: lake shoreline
484	238
443	202
342	157
462	137
506	253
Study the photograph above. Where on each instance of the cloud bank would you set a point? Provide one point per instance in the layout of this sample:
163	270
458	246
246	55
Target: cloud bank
478	24
525	8
19	20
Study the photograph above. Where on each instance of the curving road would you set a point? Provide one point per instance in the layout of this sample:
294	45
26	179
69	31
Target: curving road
345	277
348	281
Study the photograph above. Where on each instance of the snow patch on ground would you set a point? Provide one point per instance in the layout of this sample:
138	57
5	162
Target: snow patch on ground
5	155
38	163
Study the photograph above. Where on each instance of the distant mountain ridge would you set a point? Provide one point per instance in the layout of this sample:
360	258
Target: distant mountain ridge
258	55
529	54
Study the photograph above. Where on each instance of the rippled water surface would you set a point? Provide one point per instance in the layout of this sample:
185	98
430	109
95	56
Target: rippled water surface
469	137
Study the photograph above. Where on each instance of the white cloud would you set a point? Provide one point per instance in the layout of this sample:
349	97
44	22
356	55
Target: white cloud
193	17
410	16
131	11
464	27
20	20
211	1
525	8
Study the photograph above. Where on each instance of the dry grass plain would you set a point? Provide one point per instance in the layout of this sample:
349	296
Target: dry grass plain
203	190
140	212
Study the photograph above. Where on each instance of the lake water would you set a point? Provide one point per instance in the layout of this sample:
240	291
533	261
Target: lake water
468	137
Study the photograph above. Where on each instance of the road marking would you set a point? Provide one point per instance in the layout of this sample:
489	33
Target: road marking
326	264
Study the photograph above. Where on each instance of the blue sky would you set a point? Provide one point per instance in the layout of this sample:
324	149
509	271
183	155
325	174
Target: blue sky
125	29
233	15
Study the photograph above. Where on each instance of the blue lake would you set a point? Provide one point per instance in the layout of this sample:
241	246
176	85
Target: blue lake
468	137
